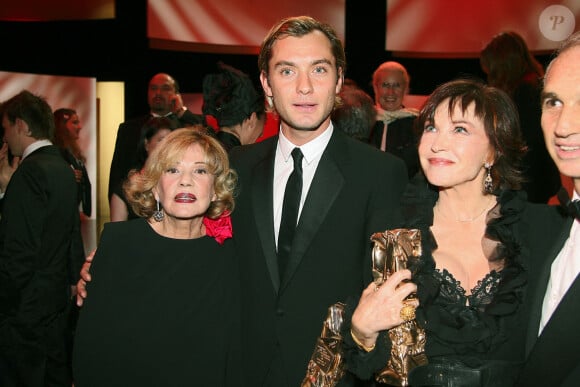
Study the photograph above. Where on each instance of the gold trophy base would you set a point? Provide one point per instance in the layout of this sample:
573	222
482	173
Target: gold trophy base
407	352
326	366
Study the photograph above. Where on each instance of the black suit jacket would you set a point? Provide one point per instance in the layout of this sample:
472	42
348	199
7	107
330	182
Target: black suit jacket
128	136
355	192
540	171
83	186
41	249
401	141
554	357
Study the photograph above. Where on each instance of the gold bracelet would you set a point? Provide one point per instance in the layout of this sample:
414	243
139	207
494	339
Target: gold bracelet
361	345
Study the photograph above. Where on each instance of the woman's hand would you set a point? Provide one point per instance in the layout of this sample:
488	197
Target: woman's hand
78	174
85	277
379	307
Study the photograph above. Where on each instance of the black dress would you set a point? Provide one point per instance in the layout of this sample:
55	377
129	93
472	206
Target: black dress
159	311
83	186
118	190
480	336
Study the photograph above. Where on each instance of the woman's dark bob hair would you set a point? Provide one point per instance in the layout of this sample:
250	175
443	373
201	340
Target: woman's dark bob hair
500	119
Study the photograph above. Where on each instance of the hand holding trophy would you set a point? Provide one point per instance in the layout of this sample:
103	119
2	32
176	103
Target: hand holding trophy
395	250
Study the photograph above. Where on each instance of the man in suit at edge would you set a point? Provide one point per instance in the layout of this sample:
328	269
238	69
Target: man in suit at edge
41	249
553	335
164	100
350	191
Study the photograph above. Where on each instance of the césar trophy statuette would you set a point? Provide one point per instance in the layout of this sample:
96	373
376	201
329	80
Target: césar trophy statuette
395	250
326	365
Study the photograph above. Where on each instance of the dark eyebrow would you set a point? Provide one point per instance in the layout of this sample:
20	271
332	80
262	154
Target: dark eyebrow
322	61
545	95
314	63
461	121
284	63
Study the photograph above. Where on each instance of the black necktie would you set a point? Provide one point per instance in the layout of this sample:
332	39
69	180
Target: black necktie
572	207
290	211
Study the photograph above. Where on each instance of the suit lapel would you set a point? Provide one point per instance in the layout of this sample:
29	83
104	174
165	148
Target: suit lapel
540	286
326	185
556	349
262	204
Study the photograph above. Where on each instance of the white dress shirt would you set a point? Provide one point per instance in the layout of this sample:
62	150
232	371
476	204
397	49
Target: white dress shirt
564	271
34	146
284	165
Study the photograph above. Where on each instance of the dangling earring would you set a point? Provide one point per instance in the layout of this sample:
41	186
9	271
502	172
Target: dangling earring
488	182
158	215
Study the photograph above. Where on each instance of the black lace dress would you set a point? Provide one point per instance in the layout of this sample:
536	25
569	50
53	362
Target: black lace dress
472	340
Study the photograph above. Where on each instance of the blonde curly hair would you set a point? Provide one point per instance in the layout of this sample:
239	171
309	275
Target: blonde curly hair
139	186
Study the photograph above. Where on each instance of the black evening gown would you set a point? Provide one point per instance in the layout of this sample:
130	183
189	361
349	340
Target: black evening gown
159	311
475	338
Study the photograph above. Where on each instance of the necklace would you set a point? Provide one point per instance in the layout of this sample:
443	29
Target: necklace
468	220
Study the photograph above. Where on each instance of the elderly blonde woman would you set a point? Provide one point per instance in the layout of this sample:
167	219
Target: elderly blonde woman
162	310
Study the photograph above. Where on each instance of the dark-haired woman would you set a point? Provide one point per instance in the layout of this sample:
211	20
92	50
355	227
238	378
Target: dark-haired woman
478	236
230	97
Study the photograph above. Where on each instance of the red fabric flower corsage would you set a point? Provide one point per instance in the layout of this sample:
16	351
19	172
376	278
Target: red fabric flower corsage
220	229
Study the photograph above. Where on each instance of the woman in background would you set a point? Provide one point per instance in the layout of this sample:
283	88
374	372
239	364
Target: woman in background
66	137
511	67
230	97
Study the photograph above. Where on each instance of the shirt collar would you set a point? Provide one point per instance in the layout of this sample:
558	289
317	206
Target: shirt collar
310	150
159	115
34	146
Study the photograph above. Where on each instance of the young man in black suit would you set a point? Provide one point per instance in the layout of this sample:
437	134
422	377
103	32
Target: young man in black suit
553	336
349	191
164	100
41	249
